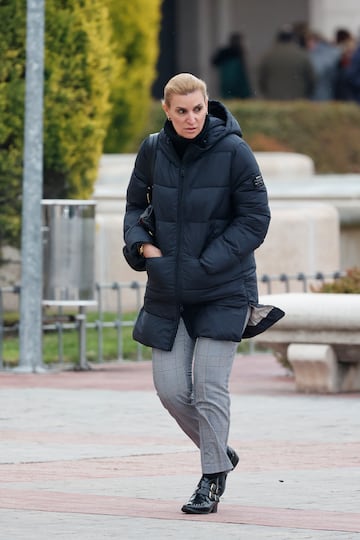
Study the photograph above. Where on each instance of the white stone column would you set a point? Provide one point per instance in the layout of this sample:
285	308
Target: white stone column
326	16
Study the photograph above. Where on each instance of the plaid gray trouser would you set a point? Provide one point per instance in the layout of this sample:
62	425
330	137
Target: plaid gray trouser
192	383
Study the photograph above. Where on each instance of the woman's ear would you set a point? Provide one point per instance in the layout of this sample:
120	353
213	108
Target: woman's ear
165	109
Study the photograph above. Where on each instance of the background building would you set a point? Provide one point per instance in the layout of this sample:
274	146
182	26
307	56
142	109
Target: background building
193	29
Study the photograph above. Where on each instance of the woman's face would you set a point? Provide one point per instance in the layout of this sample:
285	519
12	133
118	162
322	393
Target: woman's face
187	113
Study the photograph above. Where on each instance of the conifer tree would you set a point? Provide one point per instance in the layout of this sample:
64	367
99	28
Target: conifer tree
135	33
78	78
12	68
100	58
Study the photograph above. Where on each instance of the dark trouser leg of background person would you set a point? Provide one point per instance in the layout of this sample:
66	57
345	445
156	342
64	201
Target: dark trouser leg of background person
192	383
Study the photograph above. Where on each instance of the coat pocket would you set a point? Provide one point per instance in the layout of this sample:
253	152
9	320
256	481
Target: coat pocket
154	331
161	276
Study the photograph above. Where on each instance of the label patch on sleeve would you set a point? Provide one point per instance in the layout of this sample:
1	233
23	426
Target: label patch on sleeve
258	181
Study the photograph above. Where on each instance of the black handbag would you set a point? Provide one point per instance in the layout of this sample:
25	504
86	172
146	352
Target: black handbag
147	218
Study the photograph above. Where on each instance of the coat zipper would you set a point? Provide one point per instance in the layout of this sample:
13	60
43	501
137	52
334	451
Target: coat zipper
178	285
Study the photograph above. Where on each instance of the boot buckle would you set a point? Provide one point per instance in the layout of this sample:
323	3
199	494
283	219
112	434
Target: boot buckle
213	492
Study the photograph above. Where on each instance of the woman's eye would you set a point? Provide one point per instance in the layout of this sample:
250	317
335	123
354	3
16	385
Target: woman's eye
197	109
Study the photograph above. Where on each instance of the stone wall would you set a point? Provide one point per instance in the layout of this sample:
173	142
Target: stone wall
304	236
315	223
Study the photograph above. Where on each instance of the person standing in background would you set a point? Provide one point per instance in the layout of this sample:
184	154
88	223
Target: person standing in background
353	75
346	44
231	64
285	71
324	57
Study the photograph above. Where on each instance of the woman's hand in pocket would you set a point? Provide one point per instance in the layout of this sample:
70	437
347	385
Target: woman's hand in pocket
151	251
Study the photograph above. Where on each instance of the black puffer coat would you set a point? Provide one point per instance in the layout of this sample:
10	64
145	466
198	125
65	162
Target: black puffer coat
211	213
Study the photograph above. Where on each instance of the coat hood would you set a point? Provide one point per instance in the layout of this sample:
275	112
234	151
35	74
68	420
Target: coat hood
222	122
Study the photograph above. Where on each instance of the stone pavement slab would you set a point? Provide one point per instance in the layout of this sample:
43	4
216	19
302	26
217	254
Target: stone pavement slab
94	455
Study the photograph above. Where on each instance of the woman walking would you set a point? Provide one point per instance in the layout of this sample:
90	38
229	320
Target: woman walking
208	212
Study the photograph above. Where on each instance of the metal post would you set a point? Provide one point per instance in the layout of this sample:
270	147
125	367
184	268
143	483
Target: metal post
81	319
31	241
100	322
1	328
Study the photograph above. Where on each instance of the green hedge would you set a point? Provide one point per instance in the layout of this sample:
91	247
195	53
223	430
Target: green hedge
12	68
136	28
327	132
78	81
100	58
348	284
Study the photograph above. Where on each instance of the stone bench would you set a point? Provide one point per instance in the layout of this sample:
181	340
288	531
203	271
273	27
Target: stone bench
319	337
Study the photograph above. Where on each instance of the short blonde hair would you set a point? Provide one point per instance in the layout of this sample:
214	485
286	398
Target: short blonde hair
183	84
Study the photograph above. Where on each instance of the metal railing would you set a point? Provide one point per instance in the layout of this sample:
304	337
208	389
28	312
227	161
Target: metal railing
303	282
267	285
7	329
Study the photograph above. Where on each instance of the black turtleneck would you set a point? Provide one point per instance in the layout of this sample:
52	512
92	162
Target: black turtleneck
181	143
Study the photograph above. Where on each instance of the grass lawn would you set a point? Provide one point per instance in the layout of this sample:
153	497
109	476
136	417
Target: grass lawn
62	345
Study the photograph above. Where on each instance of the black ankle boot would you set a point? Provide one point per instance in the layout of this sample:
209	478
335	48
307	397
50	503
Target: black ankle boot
234	458
206	497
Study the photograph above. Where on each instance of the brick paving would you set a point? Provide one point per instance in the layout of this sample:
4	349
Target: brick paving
92	455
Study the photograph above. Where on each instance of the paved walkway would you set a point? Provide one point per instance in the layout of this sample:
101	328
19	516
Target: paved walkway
92	455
